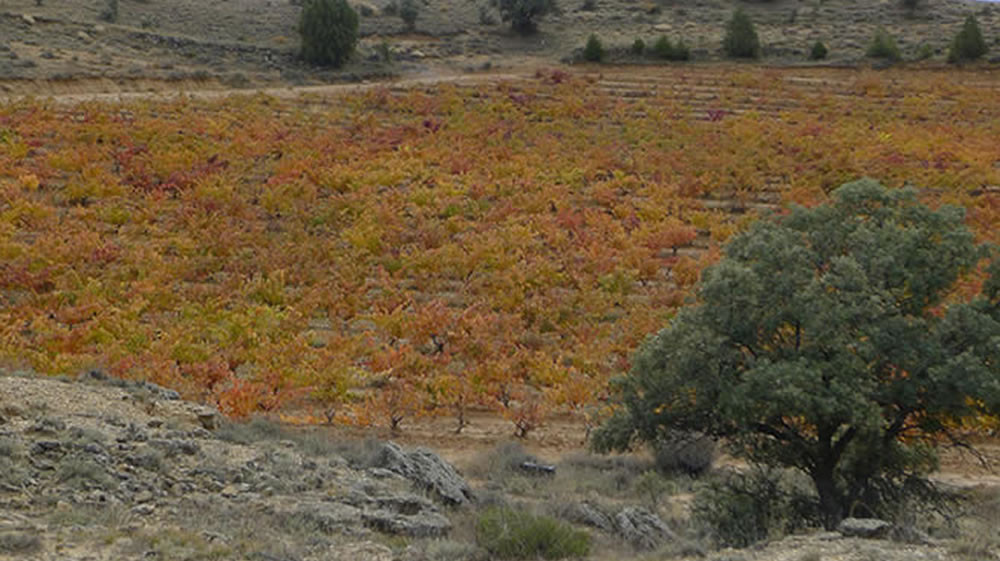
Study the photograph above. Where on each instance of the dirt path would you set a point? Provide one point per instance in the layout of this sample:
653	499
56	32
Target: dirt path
69	92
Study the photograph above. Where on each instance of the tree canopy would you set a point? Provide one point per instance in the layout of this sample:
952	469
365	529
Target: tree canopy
828	340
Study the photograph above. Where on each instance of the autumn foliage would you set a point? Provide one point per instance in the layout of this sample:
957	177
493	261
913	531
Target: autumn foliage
399	253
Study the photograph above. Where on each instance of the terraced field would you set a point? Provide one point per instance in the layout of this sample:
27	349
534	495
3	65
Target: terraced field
394	252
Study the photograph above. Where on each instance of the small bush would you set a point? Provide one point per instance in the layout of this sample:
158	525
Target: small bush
110	12
638	47
883	45
329	30
746	508
818	51
408	12
663	49
594	51
681	51
678	452
925	52
486	16
83	473
968	43
513	534
19	543
589	5
741	39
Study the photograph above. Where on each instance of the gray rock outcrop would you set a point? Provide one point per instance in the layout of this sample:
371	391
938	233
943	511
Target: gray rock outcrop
641	528
427	471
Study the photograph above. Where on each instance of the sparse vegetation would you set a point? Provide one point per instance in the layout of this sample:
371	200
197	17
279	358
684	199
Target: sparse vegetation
513	534
741	40
19	543
638	47
329	31
968	43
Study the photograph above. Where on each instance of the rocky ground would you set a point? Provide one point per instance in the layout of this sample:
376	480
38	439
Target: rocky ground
73	46
94	468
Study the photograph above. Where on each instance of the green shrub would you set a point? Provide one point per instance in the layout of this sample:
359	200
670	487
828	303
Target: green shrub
968	43
638	47
662	48
329	30
687	453
883	45
741	39
818	51
925	52
408	12
594	51
747	508
511	534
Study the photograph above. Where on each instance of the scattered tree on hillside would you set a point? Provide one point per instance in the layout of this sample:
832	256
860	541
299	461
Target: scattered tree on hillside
741	39
522	13
329	30
594	50
824	341
818	51
408	12
968	43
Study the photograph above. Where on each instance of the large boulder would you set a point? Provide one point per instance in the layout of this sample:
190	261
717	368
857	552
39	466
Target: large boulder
641	528
427	471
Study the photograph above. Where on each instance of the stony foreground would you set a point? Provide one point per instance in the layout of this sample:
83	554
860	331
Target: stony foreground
100	469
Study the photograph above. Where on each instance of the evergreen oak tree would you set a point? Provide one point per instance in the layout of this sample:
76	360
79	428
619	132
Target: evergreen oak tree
826	340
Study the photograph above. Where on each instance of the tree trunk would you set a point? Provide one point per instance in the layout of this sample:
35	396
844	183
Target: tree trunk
830	500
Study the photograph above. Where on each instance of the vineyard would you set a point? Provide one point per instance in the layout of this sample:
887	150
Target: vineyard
400	252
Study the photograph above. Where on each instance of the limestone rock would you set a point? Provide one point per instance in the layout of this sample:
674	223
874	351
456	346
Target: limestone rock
427	471
871	528
420	524
642	528
588	515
